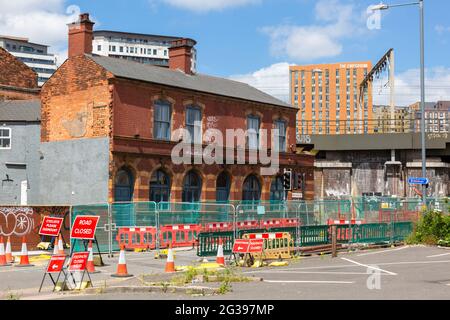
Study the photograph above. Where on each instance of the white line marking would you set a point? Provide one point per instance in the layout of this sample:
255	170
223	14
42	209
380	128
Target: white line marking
369	267
316	272
412	262
310	281
383	251
439	255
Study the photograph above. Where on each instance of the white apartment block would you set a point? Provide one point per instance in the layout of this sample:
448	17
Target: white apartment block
143	48
34	55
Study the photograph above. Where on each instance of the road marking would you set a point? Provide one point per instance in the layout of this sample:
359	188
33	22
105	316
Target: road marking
439	255
383	251
316	272
309	281
369	267
412	262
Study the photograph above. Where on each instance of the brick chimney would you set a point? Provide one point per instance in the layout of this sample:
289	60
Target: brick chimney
181	55
80	36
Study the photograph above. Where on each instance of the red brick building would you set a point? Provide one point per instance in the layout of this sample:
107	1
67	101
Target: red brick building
17	80
138	107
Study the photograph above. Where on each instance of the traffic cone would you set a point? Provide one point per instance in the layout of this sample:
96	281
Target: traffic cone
60	245
170	264
122	266
220	258
55	248
90	266
8	253
24	261
3	261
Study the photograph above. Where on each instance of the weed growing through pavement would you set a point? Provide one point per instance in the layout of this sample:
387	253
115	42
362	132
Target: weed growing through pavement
10	295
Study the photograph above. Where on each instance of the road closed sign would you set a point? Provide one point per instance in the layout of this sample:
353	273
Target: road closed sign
50	226
78	261
84	227
256	246
56	264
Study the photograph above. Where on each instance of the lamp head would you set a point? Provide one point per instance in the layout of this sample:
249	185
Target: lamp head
380	6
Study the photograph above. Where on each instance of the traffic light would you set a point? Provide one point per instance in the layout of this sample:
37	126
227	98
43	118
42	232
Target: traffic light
287	180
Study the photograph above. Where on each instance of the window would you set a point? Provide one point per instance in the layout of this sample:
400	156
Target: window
223	187
194	124
251	190
121	49
277	192
192	187
253	132
154	52
99	48
123	186
281	126
159	187
162	117
5	138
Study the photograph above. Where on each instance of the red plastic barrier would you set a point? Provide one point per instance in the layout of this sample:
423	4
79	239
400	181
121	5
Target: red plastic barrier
137	237
182	235
279	223
247	225
217	227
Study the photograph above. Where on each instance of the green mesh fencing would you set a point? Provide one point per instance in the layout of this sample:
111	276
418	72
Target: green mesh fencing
101	233
208	243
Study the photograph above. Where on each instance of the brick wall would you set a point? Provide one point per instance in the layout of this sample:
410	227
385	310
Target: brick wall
76	102
17	80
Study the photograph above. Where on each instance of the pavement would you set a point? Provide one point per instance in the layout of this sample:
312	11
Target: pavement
405	273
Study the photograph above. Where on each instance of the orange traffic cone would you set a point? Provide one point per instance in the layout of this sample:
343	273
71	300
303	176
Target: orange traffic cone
8	253
170	264
60	245
90	266
55	248
3	261
24	261
122	266
220	258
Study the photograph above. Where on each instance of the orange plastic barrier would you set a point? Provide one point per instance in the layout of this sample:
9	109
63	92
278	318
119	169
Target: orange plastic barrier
247	225
279	223
217	227
182	235
137	237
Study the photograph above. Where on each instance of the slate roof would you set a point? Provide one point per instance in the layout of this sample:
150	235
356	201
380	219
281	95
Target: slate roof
20	110
122	68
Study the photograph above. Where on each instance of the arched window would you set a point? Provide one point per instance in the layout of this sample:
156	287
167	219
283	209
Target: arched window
123	185
192	187
223	187
162	117
251	189
277	192
160	187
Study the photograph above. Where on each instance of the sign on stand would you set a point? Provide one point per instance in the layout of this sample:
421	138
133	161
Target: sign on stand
83	228
247	248
51	226
55	265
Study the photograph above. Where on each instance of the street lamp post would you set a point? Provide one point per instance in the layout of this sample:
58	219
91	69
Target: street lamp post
383	6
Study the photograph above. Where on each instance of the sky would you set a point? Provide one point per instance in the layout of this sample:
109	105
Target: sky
255	41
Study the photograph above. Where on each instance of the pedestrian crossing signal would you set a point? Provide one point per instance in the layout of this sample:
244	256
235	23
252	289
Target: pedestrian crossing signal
287	180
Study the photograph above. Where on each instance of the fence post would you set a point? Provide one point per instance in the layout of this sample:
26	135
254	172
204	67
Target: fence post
333	241
158	229
110	253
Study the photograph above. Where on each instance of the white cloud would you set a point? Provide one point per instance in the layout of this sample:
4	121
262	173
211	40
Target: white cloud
440	29
41	21
273	80
201	6
334	22
407	91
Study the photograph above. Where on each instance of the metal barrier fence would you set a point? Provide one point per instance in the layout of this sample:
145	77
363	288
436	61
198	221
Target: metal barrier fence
152	226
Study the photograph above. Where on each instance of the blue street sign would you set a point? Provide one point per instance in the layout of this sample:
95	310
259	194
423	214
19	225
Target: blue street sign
420	181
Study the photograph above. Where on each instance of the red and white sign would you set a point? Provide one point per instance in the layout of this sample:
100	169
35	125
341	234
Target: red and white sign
248	246
56	264
84	227
241	245
51	226
78	261
256	246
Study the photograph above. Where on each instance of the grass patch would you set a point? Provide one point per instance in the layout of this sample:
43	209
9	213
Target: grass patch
10	295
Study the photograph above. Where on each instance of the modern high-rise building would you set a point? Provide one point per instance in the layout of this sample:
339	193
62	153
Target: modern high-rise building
328	98
144	48
34	55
